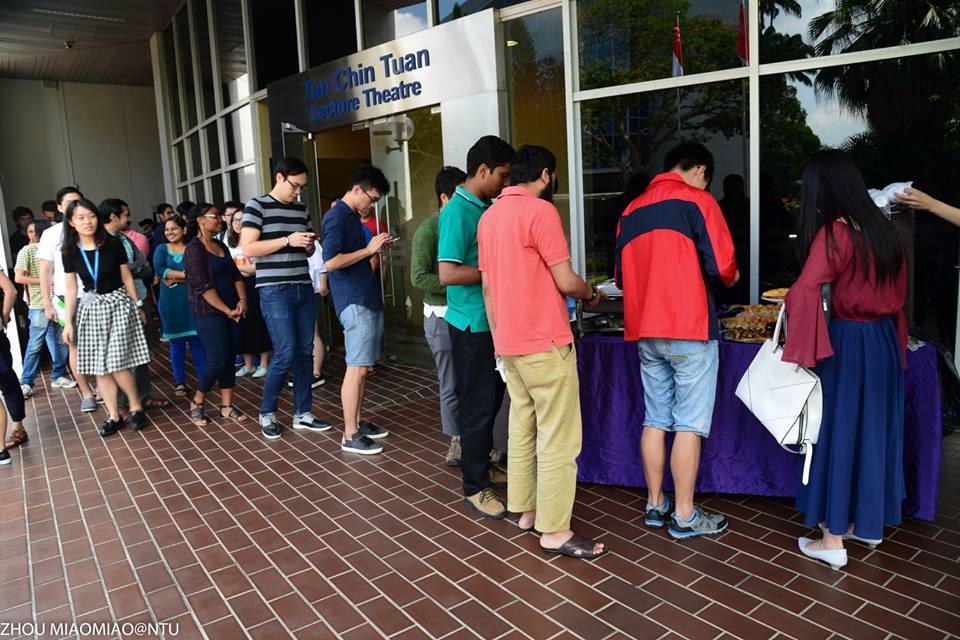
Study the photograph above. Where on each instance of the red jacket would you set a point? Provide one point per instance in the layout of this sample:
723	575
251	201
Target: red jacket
671	239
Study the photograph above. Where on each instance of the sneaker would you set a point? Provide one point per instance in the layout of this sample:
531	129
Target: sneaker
703	523
657	516
5	457
372	431
318	381
361	444
138	420
63	382
487	503
110	427
453	454
164	339
260	372
498	478
497	456
307	421
244	371
270	427
88	405
27	390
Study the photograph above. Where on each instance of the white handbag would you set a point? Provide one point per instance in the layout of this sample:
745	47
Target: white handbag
786	398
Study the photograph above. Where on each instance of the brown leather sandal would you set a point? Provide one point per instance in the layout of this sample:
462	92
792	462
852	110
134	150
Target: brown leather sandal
234	413
577	546
17	438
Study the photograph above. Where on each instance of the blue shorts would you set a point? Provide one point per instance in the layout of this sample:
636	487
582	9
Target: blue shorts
679	383
362	334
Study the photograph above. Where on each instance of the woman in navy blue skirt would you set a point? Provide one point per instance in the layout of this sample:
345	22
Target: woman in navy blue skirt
856	479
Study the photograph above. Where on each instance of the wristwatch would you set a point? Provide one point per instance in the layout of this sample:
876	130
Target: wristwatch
138	304
286	241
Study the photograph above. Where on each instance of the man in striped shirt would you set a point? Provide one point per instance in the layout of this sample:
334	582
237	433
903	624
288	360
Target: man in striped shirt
277	232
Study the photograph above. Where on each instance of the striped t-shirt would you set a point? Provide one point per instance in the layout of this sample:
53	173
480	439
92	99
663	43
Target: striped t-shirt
276	220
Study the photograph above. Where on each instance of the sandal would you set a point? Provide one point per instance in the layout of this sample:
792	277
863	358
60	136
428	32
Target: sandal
234	413
155	403
197	414
17	438
180	391
577	547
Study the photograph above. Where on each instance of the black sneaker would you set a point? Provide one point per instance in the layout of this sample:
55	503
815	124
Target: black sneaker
318	381
137	420
372	431
5	457
110	427
310	423
270	427
656	517
361	444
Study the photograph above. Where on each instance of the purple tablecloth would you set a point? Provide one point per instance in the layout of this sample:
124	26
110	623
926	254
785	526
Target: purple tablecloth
739	456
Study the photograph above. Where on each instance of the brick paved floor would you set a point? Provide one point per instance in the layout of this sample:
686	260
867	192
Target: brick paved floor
231	536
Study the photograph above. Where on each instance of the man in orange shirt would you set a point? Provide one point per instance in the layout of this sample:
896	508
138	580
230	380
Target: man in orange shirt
526	276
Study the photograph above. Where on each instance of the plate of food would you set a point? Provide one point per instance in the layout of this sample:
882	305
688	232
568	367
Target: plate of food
754	323
775	295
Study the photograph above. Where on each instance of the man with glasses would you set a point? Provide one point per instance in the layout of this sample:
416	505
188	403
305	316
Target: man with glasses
356	296
277	232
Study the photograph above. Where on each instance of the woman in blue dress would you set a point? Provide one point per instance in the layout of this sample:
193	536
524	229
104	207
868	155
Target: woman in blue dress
176	317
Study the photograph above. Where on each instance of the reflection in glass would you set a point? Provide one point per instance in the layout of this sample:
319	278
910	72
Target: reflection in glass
386	20
216	191
196	165
180	153
199	192
274	24
184	194
448	10
331	31
793	29
624	41
625	141
173	88
204	59
230	45
189	91
243	183
213	146
239	133
899	120
535	85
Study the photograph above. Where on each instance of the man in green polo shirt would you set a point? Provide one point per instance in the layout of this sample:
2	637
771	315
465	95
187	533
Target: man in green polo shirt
479	387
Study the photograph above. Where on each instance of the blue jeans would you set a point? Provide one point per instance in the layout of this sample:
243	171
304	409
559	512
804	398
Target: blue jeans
290	312
42	330
178	357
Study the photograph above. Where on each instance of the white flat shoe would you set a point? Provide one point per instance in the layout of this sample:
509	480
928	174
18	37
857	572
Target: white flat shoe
870	542
836	558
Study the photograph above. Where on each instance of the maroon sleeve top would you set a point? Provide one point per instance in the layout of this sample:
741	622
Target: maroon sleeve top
852	298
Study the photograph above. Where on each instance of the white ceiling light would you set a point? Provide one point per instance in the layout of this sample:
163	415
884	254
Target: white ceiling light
82	16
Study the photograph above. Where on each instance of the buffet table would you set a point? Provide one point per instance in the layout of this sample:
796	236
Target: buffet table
739	456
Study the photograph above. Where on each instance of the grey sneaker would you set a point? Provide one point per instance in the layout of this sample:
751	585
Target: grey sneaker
453	454
269	427
88	405
310	423
371	430
26	390
656	517
361	444
703	523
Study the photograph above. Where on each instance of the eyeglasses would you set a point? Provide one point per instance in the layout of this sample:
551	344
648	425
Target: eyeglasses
212	216
296	185
372	199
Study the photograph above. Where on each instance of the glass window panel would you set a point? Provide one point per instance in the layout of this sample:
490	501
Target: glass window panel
274	27
184	194
213	146
898	118
331	31
216	191
230	44
625	141
794	29
204	59
624	41
239	132
386	20
196	165
243	183
180	153
189	92
448	10
173	88
199	192
535	65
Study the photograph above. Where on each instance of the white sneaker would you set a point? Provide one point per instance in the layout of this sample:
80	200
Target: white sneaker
63	382
836	558
260	372
243	371
27	390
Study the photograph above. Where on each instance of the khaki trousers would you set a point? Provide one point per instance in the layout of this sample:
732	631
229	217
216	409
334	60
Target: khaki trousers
545	435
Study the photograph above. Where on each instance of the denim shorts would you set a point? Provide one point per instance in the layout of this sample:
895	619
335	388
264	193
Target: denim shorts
679	383
362	334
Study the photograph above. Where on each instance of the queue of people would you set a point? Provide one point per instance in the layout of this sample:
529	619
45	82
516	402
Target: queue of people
496	270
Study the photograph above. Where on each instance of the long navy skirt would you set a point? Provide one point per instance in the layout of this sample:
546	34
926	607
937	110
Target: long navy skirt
857	470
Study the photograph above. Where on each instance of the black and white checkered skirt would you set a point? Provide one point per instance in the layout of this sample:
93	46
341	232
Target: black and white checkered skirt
109	335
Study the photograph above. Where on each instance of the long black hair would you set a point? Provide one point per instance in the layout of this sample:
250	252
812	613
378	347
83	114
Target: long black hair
193	224
834	188
71	239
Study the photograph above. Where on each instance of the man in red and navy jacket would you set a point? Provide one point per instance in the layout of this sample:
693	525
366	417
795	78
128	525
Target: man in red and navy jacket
672	244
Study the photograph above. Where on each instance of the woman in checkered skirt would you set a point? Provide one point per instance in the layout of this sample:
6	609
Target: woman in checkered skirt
109	325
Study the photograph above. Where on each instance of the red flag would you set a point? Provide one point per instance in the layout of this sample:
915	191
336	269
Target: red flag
743	41
677	50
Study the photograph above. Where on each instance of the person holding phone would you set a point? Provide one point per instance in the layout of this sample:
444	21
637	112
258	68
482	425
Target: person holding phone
276	232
